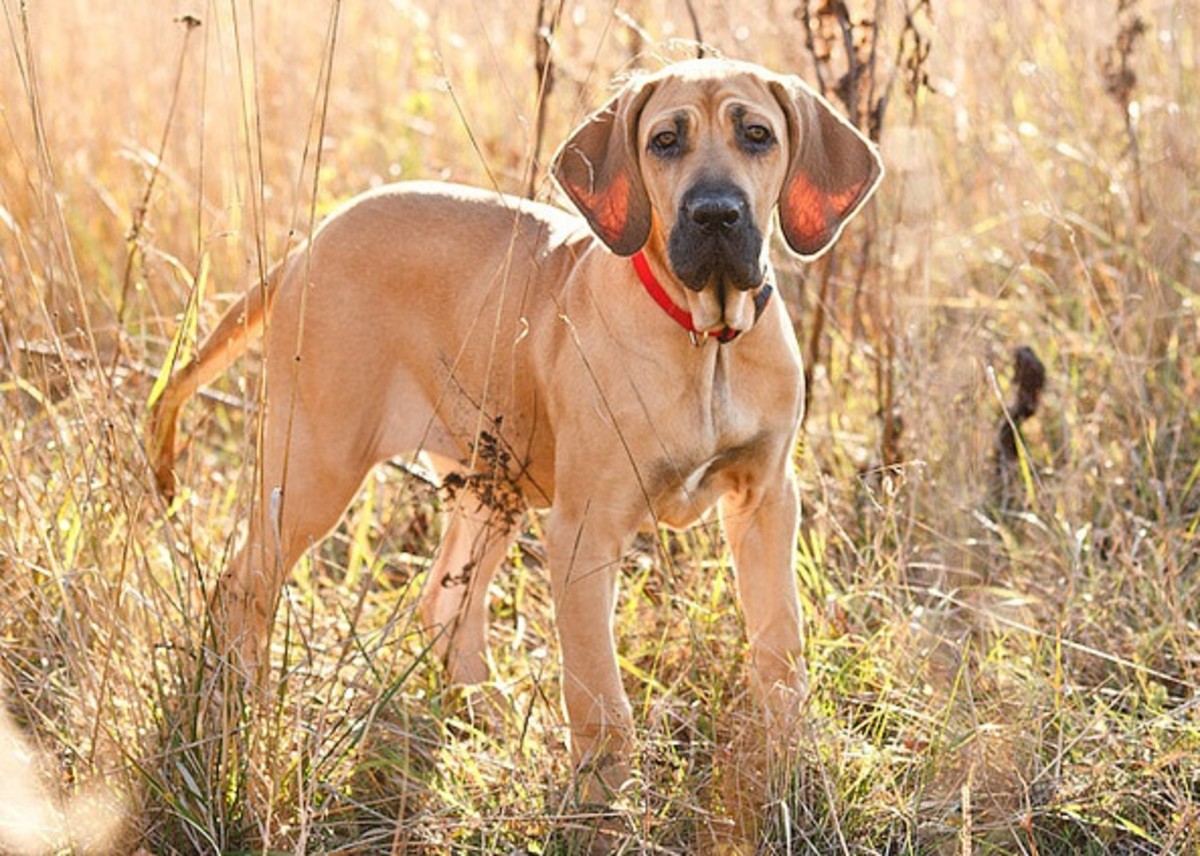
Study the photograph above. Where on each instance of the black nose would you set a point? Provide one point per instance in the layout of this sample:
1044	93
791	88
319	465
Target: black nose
715	209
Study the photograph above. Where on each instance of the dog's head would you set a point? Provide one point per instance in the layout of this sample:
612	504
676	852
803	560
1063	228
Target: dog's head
691	161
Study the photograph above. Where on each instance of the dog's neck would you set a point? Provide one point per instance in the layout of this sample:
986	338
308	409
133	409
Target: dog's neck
684	318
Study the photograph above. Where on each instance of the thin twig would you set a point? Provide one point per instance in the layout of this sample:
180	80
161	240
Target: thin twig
813	353
134	236
543	42
810	45
700	48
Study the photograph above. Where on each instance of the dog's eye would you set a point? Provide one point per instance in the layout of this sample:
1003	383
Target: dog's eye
664	142
757	135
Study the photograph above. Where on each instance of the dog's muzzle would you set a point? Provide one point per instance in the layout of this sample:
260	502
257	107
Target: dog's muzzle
715	240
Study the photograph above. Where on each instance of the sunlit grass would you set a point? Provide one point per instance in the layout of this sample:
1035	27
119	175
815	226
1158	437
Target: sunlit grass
1000	663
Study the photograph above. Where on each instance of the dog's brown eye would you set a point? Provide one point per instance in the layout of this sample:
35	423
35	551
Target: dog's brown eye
759	135
664	141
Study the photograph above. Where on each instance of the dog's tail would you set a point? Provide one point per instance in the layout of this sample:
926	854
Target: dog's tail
228	341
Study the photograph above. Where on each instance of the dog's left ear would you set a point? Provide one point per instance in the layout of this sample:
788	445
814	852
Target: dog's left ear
598	168
833	169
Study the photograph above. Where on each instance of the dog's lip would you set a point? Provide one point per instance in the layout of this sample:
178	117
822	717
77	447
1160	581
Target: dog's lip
721	283
722	273
706	259
715	310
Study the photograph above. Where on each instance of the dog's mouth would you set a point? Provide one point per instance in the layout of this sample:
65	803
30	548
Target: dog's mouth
716	249
719	308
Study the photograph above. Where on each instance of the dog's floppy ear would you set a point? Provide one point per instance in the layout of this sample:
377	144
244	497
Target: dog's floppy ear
598	168
833	169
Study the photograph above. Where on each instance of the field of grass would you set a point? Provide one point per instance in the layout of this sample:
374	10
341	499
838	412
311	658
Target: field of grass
1003	641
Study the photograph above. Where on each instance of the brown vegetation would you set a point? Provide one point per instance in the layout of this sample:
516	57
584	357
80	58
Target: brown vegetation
1007	670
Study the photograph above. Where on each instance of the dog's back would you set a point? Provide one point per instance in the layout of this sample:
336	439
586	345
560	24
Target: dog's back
391	263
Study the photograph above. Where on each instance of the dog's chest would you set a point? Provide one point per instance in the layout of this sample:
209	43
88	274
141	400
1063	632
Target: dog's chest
721	433
685	488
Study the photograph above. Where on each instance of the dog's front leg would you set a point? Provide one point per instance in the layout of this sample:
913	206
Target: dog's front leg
585	548
760	523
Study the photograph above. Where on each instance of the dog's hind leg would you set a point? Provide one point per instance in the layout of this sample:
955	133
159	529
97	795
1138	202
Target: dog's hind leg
454	604
307	479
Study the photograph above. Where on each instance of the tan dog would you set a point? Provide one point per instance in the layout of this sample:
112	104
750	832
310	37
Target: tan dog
525	356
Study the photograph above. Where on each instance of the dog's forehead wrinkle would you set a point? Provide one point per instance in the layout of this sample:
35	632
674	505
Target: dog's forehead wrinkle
741	110
714	101
677	117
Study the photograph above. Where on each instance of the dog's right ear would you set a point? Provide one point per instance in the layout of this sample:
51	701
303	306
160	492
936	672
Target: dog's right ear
598	167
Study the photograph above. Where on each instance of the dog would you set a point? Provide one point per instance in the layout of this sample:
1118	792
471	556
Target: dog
622	370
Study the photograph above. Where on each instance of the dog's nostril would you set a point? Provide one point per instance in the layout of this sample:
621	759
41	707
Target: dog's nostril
715	212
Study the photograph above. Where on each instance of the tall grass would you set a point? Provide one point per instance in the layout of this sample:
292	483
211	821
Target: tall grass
1005	657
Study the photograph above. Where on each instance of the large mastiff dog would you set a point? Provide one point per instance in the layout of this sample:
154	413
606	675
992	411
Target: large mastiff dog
535	363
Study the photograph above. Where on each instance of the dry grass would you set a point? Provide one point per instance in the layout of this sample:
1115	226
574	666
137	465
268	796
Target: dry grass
1004	660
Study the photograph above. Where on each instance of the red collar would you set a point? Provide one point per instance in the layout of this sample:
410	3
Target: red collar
680	315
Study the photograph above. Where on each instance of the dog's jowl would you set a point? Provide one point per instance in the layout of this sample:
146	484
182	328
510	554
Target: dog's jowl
620	370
